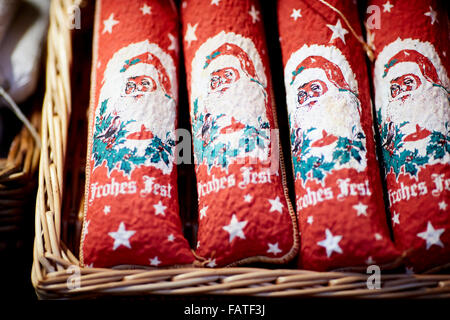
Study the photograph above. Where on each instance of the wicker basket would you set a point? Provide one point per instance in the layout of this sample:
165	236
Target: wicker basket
56	272
18	181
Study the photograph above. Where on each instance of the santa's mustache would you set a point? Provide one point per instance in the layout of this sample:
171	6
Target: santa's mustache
309	103
402	96
139	96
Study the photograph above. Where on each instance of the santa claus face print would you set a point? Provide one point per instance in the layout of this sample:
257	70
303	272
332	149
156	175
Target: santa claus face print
401	86
222	79
135	119
324	113
309	92
229	101
412	103
138	85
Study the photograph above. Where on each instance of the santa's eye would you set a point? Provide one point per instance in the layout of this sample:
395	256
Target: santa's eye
215	82
301	95
145	82
130	86
409	81
228	74
395	88
316	87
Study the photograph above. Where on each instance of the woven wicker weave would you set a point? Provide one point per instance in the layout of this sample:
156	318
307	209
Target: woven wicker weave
56	272
18	184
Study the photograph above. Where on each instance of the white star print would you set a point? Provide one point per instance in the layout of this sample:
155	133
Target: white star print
432	236
254	14
155	261
190	33
310	219
159	208
106	210
171	237
90	265
248	198
212	263
184	4
235	228
387	7
273	248
99	64
378	236
109	24
276	205
330	243
173	43
370	261
121	237
296	14
146	9
216	2
442	205
432	14
198	244
203	212
338	31
396	218
361	209
444	53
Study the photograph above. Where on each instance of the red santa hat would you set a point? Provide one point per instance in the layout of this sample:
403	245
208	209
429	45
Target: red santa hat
136	59
319	62
407	56
149	58
332	71
426	67
226	49
233	50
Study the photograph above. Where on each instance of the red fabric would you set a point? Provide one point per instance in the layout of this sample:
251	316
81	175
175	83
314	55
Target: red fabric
411	88
131	211
244	213
339	194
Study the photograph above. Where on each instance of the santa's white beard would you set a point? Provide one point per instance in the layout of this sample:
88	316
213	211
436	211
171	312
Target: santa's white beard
428	108
244	100
153	110
335	112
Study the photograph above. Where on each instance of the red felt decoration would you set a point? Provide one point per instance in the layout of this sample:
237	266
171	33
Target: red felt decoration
244	211
339	197
131	208
411	43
